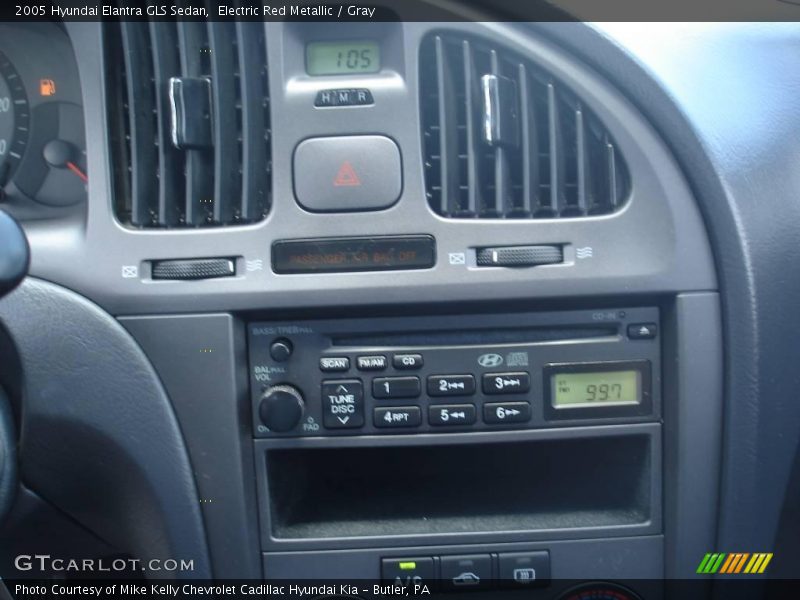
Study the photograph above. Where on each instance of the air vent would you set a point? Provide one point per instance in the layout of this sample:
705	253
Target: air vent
504	139
189	119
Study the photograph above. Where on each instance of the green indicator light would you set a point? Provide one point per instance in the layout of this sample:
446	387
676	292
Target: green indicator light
408	566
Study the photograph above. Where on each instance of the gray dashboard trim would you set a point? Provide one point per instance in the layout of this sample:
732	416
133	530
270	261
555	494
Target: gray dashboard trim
202	360
99	438
753	246
656	244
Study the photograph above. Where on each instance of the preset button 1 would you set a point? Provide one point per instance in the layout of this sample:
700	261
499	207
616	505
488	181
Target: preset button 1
396	387
342	403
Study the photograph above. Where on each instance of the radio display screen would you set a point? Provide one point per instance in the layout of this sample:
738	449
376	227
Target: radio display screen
596	388
343	58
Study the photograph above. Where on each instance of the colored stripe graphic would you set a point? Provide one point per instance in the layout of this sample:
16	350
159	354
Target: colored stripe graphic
767	558
711	563
734	563
741	562
729	563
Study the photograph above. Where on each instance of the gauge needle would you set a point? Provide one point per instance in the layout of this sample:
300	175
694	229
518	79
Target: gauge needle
75	169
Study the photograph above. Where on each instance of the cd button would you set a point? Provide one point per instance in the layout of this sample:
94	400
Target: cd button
407	361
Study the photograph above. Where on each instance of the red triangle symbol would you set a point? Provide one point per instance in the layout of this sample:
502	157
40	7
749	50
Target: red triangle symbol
346	175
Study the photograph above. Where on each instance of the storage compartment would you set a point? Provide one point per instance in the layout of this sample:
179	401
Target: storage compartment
489	487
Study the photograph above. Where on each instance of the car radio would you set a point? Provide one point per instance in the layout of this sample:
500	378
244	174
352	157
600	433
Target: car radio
378	376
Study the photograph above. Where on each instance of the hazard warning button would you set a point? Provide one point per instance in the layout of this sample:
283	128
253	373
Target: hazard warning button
347	173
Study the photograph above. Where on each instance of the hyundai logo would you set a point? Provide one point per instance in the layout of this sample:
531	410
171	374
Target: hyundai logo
490	360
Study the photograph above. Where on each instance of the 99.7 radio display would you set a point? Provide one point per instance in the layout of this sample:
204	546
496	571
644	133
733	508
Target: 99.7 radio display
598	388
341	58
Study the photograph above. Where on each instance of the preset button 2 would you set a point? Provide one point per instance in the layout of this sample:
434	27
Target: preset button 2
342	403
451	385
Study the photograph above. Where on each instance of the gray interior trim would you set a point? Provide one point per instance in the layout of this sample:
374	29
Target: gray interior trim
201	360
8	456
692	430
628	252
653	525
99	438
759	301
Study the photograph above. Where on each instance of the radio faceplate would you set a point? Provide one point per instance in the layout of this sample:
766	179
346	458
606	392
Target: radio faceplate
379	376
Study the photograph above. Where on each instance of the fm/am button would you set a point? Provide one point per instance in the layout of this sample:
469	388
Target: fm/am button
342	403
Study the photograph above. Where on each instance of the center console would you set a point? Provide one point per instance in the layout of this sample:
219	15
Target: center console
441	450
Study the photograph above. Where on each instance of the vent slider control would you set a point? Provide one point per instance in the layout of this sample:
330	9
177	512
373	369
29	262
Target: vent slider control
519	256
194	268
190	109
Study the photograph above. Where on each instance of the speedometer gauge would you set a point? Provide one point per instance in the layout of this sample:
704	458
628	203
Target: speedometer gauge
14	119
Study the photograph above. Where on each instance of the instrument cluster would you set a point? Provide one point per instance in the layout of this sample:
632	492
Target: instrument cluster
42	138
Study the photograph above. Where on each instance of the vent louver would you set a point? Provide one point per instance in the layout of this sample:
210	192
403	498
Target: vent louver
503	139
208	161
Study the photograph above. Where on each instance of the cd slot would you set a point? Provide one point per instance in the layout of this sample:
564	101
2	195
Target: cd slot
475	337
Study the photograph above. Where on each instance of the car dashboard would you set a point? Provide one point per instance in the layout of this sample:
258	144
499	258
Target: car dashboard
492	307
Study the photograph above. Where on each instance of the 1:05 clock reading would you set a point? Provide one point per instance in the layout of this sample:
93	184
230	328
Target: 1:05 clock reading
340	58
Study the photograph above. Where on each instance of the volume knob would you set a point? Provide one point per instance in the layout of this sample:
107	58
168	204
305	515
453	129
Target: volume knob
281	408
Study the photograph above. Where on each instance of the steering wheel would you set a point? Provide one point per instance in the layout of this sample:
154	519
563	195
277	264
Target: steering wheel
14	260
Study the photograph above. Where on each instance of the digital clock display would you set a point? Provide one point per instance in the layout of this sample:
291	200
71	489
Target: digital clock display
596	388
342	58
